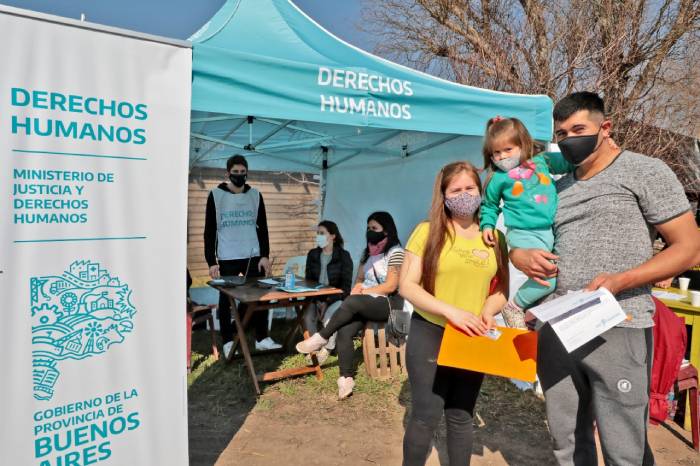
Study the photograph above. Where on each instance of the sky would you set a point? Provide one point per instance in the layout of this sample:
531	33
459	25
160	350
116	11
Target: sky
181	18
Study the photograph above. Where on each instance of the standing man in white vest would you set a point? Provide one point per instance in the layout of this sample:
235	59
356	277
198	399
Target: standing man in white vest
235	230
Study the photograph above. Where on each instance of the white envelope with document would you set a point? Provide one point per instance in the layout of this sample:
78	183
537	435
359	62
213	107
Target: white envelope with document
580	316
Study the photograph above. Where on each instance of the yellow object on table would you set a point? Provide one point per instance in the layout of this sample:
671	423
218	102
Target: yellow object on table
691	314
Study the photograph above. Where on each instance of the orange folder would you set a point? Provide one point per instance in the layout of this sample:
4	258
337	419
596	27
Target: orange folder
513	355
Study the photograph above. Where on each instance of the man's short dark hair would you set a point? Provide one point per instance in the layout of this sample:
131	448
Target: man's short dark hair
576	102
237	159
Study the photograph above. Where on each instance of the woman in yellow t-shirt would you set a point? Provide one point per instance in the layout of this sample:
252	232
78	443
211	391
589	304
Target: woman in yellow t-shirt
447	276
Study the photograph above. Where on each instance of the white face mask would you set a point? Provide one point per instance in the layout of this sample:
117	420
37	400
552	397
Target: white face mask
321	241
507	164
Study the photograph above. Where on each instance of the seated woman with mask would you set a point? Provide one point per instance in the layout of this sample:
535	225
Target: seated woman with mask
330	265
377	280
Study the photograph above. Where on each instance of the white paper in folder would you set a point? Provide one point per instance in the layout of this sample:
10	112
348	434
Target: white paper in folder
580	316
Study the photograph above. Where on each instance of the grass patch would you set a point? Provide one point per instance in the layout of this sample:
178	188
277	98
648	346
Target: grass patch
219	380
264	404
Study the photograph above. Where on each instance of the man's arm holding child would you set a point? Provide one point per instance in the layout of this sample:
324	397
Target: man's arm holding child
663	203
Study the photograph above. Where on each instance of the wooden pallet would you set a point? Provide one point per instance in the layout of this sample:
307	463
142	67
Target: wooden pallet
383	360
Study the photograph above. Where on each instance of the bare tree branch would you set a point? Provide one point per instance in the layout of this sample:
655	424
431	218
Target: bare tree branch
642	56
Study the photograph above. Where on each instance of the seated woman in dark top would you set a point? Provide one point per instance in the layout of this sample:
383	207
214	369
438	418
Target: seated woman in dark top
331	265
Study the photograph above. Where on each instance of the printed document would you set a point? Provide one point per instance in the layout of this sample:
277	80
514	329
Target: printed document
580	316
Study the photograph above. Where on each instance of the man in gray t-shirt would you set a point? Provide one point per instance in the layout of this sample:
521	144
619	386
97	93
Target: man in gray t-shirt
606	223
608	210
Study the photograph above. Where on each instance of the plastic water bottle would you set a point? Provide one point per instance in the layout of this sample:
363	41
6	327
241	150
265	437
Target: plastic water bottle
289	279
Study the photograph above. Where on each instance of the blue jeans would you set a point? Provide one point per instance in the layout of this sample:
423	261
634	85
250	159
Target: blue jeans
531	291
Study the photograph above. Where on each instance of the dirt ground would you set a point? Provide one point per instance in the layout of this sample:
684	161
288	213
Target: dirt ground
300	421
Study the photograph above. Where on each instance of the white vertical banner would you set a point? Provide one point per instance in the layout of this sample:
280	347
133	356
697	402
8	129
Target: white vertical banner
94	134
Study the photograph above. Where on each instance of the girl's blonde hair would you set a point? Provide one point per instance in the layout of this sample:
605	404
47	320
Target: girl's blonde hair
518	135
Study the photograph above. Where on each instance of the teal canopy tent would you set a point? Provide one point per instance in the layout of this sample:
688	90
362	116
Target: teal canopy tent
272	84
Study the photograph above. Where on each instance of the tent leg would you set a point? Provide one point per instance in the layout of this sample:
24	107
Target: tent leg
322	183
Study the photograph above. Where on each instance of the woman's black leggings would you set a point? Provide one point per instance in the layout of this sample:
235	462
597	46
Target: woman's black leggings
355	311
434	390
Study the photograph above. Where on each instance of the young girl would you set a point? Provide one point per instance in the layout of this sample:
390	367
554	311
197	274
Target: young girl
520	176
447	276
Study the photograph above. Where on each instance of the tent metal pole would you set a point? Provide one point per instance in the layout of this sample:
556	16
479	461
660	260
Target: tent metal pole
336	137
391	135
272	156
323	181
216	118
376	143
269	135
284	145
237	146
432	145
346	158
373	147
294	127
214	146
217	140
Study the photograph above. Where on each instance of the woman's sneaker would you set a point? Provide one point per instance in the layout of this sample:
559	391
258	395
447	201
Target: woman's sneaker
513	315
345	386
227	349
267	344
312	344
322	355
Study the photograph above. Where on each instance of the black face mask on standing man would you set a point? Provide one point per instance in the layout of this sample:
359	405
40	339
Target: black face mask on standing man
238	180
576	149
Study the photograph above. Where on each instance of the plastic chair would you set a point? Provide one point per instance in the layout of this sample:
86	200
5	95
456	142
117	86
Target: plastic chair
297	264
688	381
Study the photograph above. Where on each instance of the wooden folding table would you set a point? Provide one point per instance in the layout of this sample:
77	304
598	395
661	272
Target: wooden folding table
260	298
